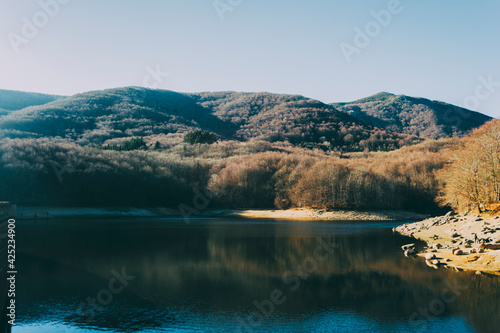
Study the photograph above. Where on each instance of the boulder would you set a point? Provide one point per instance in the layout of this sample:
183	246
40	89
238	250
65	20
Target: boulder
430	264
450	213
430	256
410	252
458	252
408	246
490	246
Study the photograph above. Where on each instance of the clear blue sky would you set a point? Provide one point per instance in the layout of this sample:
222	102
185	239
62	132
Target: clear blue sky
433	49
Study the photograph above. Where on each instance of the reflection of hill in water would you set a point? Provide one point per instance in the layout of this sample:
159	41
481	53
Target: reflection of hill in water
231	267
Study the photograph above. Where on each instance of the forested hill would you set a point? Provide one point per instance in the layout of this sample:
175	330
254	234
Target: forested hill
415	116
96	117
124	147
16	100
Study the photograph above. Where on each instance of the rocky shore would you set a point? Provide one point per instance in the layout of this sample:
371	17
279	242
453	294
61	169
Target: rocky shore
458	241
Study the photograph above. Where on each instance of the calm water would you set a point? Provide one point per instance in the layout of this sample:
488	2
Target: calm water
228	275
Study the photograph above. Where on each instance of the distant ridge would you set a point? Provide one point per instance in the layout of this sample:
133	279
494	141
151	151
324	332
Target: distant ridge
95	117
380	122
414	116
11	100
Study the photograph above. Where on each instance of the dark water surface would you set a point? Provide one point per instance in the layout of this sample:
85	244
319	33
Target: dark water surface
223	275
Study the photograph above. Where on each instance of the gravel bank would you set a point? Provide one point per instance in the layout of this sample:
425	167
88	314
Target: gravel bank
462	242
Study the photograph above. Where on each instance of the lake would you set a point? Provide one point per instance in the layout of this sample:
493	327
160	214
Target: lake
233	275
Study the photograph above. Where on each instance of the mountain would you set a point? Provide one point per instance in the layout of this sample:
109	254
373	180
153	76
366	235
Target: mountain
93	118
16	100
414	116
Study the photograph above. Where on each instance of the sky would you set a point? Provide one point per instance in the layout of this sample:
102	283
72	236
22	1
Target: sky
330	50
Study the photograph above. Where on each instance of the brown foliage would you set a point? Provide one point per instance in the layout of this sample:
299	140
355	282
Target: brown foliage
472	178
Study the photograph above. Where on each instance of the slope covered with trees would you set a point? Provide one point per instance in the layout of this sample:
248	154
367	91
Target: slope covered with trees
472	177
142	147
233	174
415	116
16	100
96	117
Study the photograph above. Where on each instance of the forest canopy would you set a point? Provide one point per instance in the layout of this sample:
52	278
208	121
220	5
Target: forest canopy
144	147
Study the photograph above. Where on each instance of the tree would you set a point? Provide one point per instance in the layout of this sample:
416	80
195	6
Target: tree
199	137
472	179
157	146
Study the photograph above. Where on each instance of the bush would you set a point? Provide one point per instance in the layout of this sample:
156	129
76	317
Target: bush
200	137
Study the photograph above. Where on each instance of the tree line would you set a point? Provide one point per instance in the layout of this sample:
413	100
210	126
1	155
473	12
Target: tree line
460	173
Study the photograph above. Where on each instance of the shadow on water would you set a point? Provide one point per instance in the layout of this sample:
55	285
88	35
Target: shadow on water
218	275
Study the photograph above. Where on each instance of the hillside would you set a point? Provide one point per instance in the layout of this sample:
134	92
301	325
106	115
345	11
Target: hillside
414	116
100	117
16	100
51	154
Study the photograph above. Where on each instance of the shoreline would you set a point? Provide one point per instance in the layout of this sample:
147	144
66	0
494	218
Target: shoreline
458	241
305	214
296	214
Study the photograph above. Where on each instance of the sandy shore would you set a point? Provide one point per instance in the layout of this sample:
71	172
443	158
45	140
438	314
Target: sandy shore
289	214
338	215
459	241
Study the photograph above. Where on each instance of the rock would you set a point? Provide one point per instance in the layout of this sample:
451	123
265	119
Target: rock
490	246
450	213
410	252
430	264
437	246
478	273
430	256
480	250
435	262
447	259
473	258
458	252
408	246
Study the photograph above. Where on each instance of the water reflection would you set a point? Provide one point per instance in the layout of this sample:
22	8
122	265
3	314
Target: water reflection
218	275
